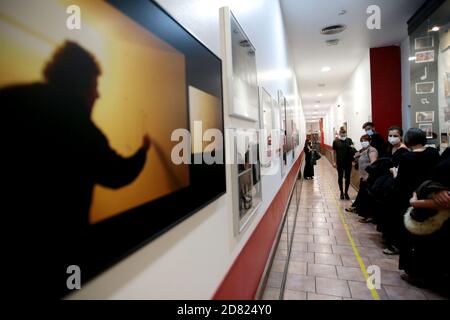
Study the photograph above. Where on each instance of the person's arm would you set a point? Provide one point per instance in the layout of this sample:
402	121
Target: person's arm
439	200
111	169
373	155
333	155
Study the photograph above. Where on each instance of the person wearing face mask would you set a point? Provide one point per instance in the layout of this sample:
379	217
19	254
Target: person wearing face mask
396	146
377	141
342	161
415	167
366	156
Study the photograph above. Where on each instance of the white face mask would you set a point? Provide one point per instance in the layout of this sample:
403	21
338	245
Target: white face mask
342	137
394	140
365	144
369	132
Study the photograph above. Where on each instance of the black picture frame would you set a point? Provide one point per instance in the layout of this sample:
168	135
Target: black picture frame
98	246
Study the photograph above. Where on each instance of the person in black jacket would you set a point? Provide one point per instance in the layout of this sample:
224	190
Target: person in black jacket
308	171
377	141
56	155
415	167
425	257
343	156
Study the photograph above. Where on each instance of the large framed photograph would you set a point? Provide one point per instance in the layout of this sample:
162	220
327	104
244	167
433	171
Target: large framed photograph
282	103
91	139
240	63
247	192
425	87
423	43
267	126
425	56
424	116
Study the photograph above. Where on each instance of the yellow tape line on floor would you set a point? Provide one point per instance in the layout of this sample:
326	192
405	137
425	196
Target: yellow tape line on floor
355	250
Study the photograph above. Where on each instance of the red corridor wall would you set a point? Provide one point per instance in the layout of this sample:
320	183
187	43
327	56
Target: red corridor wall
386	85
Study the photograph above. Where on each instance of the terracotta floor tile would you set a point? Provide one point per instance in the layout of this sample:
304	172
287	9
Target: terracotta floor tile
328	258
297	282
294	295
350	273
297	267
314	296
402	293
322	270
332	287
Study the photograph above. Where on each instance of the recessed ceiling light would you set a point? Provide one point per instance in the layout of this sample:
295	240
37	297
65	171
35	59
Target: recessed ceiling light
337	28
325	69
435	28
332	42
319	95
316	105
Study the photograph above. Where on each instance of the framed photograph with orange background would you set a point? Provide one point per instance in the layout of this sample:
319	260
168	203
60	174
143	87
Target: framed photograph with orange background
91	113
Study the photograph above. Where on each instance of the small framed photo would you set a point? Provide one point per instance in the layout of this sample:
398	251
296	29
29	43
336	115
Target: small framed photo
423	43
428	129
425	87
425	56
424	116
444	138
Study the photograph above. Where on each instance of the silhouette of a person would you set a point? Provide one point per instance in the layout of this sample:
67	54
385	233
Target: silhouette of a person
55	156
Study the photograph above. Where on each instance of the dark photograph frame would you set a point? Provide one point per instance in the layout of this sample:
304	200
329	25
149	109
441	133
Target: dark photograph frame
100	245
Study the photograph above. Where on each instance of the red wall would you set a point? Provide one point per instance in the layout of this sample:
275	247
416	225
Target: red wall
385	70
242	280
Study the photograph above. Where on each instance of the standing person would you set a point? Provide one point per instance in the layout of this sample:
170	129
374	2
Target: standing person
308	172
366	156
396	146
415	167
342	161
377	141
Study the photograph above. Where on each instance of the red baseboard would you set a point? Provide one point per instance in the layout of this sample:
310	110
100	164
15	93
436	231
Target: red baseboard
242	280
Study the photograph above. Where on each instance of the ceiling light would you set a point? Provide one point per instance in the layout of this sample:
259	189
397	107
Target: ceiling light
316	105
332	42
435	28
412	58
325	69
319	95
337	28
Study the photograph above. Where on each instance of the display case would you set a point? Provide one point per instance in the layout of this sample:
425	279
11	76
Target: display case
429	39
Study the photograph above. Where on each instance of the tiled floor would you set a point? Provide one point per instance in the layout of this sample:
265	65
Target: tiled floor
323	264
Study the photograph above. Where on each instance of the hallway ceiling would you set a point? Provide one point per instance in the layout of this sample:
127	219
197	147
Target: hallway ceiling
305	18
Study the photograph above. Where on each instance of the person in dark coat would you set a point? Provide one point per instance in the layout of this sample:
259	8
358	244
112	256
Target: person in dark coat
377	141
56	155
415	167
308	171
343	157
425	256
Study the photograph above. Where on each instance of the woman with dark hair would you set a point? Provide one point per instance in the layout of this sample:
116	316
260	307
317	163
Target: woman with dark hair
366	156
396	146
415	167
308	172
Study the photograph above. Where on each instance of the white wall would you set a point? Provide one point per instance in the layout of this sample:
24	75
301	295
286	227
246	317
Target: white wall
190	260
355	103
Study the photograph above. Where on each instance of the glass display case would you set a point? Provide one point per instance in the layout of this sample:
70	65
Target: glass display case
429	39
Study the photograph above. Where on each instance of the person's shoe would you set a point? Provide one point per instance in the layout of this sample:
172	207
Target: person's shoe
391	250
342	196
365	220
347	196
351	209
